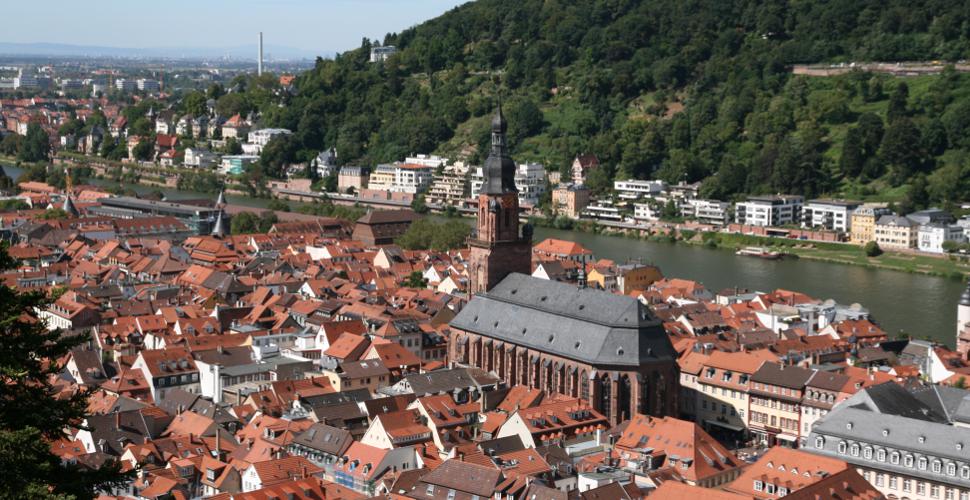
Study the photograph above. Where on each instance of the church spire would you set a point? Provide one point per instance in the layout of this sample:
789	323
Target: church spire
499	169
219	229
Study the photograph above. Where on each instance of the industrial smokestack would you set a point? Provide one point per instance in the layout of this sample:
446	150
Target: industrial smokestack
259	64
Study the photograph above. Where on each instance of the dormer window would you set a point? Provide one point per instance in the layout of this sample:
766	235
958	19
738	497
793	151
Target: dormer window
819	442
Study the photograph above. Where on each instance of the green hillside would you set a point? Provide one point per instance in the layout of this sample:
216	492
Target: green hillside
681	90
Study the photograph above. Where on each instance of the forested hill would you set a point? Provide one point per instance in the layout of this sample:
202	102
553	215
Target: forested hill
680	89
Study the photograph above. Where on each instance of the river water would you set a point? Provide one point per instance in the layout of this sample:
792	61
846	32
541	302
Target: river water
920	305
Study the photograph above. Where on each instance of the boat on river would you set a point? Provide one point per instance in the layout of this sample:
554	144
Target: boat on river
760	252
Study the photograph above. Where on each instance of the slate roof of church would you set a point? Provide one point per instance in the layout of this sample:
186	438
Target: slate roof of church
586	325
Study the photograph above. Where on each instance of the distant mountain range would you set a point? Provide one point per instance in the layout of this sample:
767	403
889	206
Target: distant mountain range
245	52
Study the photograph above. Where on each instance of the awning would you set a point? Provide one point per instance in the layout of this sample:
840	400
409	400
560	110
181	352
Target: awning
735	428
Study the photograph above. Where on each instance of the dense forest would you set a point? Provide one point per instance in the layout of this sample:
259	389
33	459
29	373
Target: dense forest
676	89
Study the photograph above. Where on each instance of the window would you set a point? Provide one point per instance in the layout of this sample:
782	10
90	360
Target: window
920	488
880	479
894	458
842	447
770	489
881	455
937	466
951	469
921	464
965	472
855	450
893	482
782	491
758	486
867	453
934	491
819	442
908	461
907	485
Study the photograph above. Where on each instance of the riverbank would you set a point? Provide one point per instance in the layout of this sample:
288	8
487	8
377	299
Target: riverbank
945	266
951	267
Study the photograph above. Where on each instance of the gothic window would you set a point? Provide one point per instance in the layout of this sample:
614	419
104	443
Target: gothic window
583	386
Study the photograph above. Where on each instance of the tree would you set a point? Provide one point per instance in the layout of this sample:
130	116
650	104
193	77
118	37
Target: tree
901	150
35	146
418	205
10	145
279	153
872	249
330	183
425	234
233	147
244	223
32	411
193	104
415	280
278	204
267	220
897	103
143	151
853	157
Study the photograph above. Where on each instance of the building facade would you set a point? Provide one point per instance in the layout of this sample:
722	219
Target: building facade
772	211
605	349
931	237
570	199
862	227
831	215
902	445
895	232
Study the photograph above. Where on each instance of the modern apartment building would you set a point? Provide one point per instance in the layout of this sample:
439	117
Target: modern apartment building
401	178
831	215
450	186
778	210
530	181
634	189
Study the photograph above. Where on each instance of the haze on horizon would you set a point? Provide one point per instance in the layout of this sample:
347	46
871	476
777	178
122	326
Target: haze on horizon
317	26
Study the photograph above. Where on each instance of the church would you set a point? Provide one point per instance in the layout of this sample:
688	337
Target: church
606	349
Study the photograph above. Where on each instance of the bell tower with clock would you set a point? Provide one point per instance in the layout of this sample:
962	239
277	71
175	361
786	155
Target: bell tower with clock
498	248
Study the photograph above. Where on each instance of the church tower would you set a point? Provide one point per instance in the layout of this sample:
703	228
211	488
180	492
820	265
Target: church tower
497	247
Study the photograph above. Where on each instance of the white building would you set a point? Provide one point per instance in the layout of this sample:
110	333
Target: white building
633	189
603	210
326	163
401	178
776	210
448	187
236	164
380	54
258	139
200	158
26	82
833	215
530	180
148	85
125	85
707	211
645	212
426	161
932	236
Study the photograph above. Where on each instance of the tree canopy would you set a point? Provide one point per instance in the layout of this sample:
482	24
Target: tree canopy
32	414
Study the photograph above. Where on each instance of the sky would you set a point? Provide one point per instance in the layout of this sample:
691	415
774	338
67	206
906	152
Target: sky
310	25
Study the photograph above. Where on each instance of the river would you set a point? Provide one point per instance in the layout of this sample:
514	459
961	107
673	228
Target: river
920	305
